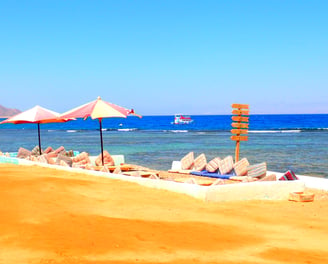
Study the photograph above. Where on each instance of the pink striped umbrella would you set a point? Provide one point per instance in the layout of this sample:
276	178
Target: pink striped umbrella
36	115
98	109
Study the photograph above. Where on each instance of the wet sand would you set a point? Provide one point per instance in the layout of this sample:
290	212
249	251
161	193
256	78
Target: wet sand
52	216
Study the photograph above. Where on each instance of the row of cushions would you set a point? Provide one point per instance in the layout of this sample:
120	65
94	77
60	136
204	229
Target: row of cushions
223	166
62	157
24	153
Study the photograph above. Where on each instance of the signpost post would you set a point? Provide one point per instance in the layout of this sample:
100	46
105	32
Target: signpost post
240	116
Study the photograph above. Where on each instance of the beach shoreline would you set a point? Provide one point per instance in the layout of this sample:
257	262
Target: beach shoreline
207	188
56	216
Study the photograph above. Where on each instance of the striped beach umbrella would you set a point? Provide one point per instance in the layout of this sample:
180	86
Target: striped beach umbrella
36	115
98	109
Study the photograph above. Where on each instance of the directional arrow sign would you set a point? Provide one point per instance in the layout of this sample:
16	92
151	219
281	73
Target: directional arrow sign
240	112
244	106
240	118
239	131
239	138
239	125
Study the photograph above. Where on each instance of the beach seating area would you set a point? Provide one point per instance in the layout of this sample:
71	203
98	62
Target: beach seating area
70	158
225	168
216	180
190	169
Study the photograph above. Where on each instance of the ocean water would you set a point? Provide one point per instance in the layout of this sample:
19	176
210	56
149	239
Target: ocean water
296	142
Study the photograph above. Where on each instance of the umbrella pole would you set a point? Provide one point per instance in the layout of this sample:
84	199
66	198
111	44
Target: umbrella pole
101	142
39	138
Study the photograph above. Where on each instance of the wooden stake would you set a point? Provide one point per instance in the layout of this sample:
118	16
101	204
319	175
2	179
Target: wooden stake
237	151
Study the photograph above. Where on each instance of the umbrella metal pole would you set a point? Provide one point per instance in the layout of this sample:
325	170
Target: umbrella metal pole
39	138
101	142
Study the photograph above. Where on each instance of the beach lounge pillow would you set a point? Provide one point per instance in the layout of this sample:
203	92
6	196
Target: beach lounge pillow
108	160
63	163
52	154
187	161
226	165
240	167
257	170
288	176
270	177
117	170
70	153
60	149
82	158
64	158
32	158
105	169
50	159
200	162
42	159
23	153
48	150
36	151
213	165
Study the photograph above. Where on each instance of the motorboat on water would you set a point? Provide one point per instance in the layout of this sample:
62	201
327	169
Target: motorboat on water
180	119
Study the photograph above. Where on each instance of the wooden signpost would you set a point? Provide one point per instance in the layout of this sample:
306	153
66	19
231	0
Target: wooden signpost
240	126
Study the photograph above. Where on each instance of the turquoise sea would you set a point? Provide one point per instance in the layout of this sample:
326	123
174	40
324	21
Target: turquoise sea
296	142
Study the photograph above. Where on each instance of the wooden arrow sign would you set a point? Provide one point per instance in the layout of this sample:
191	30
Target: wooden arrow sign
239	131
240	118
240	112
239	138
239	125
242	106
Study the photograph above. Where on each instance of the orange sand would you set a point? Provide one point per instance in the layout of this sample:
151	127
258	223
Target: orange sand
51	216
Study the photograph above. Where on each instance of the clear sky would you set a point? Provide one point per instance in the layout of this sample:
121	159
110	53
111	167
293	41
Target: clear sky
166	57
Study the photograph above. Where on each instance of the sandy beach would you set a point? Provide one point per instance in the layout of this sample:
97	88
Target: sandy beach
53	216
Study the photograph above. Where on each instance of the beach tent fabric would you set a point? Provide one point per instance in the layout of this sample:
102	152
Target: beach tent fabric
288	176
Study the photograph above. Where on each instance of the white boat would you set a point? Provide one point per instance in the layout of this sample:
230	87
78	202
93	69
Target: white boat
180	119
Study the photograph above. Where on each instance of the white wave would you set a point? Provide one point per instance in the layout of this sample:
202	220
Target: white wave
274	131
264	131
126	129
179	131
71	131
291	131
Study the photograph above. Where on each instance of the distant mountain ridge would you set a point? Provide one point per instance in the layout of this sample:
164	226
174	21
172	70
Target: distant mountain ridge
7	112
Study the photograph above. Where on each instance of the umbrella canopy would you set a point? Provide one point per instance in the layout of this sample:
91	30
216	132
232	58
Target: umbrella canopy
98	109
37	115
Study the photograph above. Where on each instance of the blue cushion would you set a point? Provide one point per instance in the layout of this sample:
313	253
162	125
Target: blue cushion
212	174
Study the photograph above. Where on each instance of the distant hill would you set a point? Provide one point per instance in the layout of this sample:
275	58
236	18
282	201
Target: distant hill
7	112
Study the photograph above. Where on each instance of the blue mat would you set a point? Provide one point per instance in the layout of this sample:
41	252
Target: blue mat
212	174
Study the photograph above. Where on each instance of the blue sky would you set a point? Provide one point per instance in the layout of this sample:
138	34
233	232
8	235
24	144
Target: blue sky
166	57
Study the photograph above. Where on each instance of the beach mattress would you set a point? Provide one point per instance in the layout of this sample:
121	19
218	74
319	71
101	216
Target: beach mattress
212	174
